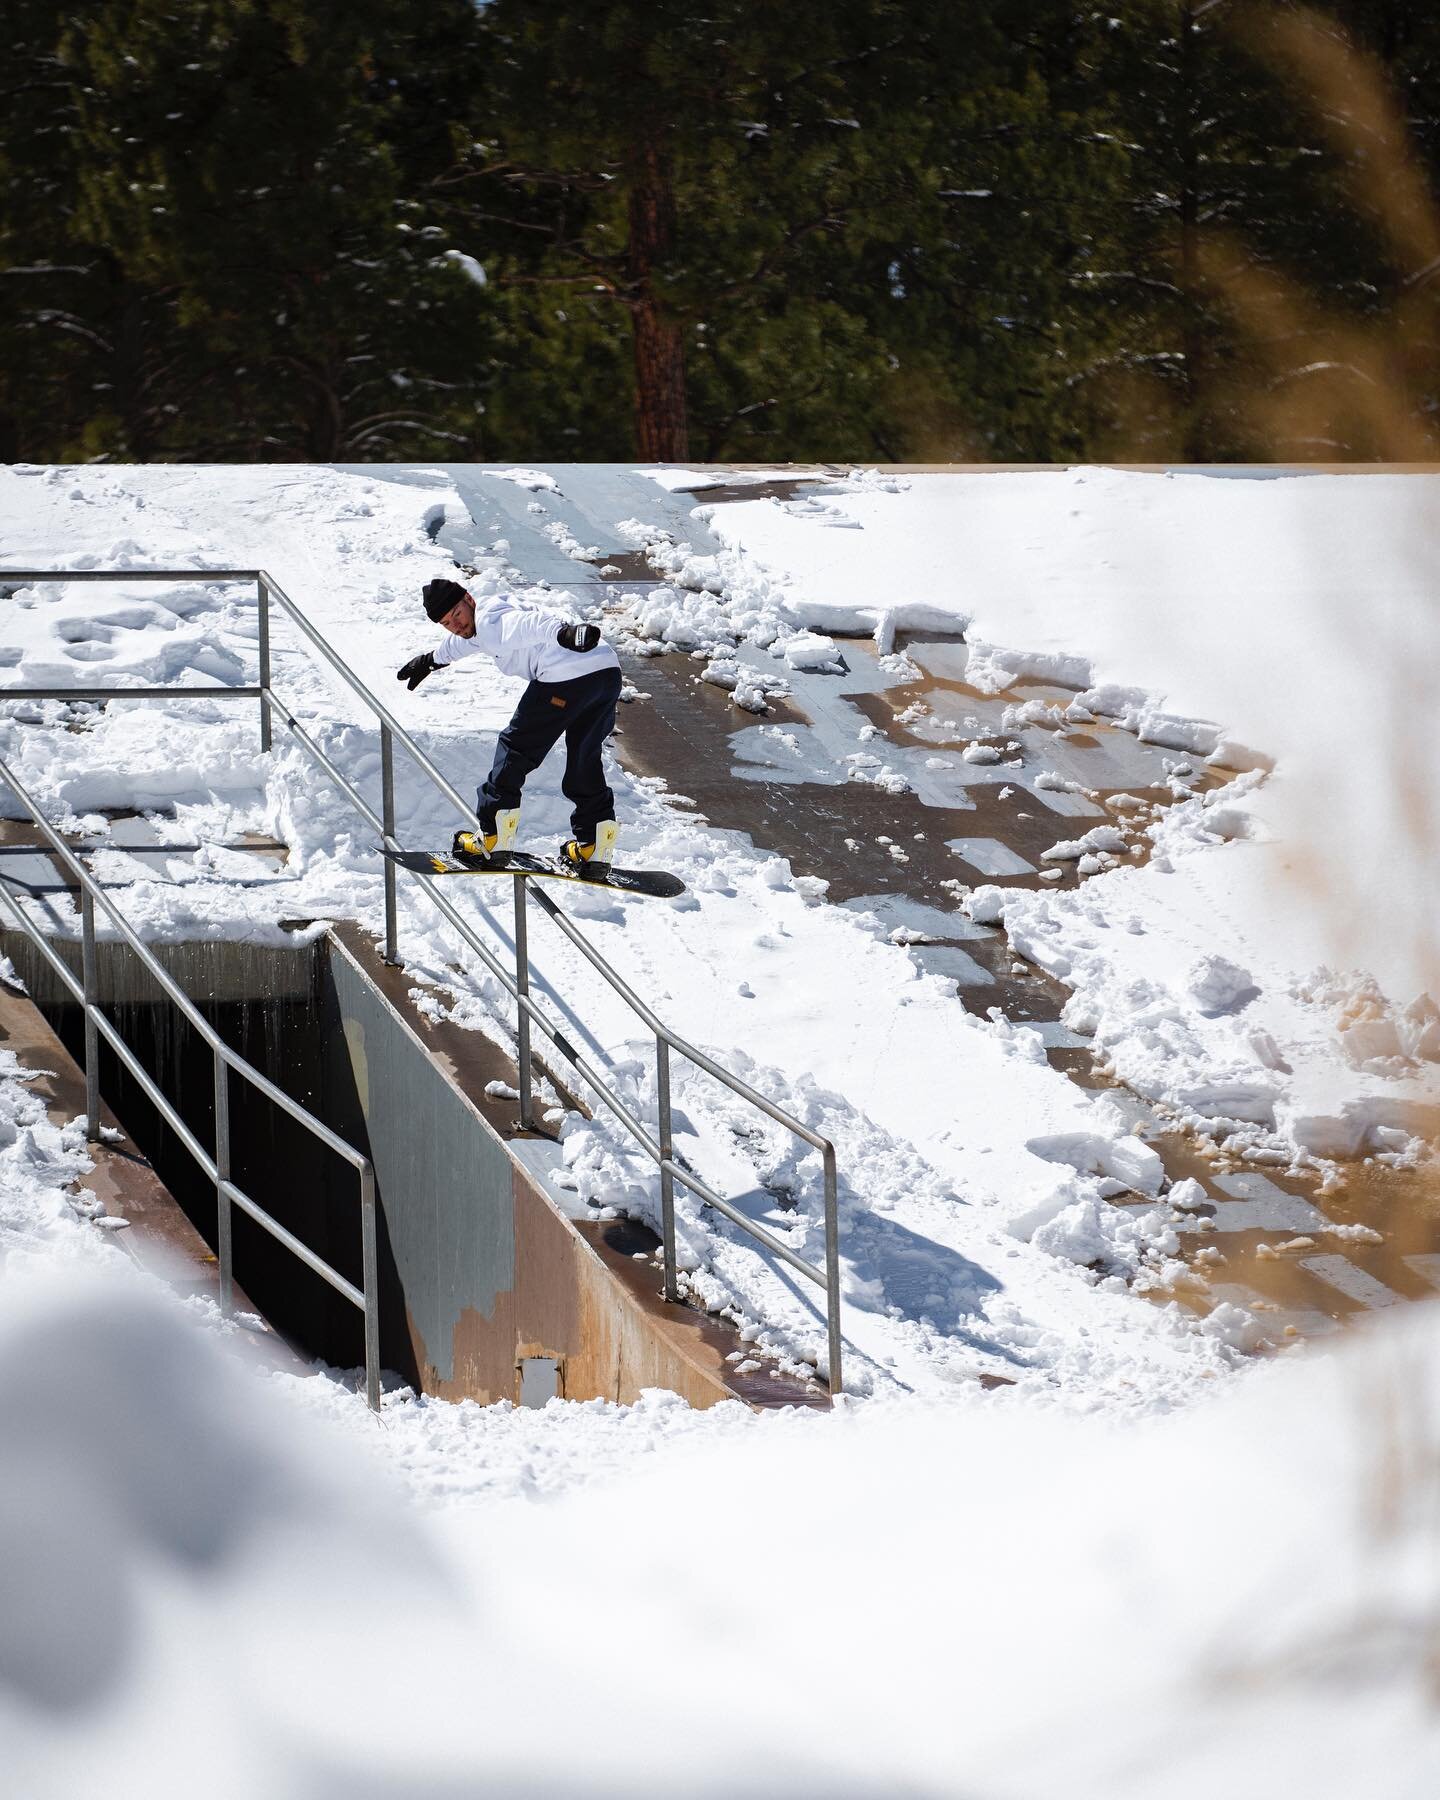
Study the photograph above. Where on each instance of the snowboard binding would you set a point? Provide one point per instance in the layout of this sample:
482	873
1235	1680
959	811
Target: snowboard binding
473	847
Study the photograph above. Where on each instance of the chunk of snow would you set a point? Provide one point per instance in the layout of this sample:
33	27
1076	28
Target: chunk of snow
1101	837
1217	985
811	650
534	479
986	905
1123	1158
1188	1195
1227	822
1238	758
992	667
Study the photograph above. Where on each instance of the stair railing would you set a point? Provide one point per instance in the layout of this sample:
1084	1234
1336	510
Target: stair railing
217	1166
658	1147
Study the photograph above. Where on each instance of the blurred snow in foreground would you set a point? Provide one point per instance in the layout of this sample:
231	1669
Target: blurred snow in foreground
207	1589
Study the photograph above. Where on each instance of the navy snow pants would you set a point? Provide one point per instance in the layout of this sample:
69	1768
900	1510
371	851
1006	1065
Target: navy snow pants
583	712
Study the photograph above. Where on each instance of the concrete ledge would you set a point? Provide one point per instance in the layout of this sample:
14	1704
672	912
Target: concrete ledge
488	1288
494	1273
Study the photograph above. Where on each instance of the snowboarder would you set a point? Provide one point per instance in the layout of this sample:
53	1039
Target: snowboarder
574	687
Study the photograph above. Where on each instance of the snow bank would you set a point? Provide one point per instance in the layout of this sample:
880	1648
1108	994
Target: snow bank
1209	617
38	1163
208	1587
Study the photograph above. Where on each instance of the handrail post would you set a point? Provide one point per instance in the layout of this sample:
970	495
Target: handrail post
262	596
832	1274
92	1035
522	1024
387	804
370	1286
224	1236
667	1180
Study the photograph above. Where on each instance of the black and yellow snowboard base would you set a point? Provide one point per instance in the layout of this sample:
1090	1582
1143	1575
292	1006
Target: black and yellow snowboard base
653	882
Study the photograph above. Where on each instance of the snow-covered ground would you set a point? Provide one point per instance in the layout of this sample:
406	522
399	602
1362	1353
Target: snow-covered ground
206	1588
950	1217
1289	622
976	1537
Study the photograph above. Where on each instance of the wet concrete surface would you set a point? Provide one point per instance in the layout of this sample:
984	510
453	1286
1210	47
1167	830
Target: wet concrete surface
886	851
901	832
631	566
783	487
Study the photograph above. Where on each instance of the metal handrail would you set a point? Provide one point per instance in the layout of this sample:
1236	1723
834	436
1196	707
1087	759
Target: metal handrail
216	1167
517	986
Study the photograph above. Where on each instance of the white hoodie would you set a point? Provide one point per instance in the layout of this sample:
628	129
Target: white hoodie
523	642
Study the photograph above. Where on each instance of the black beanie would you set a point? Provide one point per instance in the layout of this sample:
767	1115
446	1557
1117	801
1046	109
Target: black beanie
440	596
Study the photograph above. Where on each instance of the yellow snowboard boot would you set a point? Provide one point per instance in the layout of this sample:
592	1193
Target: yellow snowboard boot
593	859
470	846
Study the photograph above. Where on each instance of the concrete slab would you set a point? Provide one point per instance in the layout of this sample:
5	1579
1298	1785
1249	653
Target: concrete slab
988	856
1249	1184
1426	1266
1286	1213
1056	1035
1301	1321
28	873
899	910
1352	1281
955	964
1067	805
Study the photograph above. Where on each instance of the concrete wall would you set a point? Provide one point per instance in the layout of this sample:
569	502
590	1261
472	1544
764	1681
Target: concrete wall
491	1272
485	1284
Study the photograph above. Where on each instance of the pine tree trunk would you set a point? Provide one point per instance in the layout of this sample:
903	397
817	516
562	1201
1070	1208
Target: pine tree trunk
1193	431
325	426
131	388
661	432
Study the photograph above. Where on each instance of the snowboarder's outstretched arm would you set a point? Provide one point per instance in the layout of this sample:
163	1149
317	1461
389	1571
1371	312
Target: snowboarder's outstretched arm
524	640
445	602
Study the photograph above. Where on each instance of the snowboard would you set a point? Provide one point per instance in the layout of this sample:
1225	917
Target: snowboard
653	882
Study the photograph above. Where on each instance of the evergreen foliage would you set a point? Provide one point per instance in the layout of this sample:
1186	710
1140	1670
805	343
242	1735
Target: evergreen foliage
1021	230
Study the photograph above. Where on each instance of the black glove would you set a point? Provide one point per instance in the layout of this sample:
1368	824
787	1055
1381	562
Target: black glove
416	670
578	637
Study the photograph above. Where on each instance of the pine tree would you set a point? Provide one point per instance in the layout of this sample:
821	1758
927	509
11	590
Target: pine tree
864	229
56	325
692	165
236	161
1236	194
